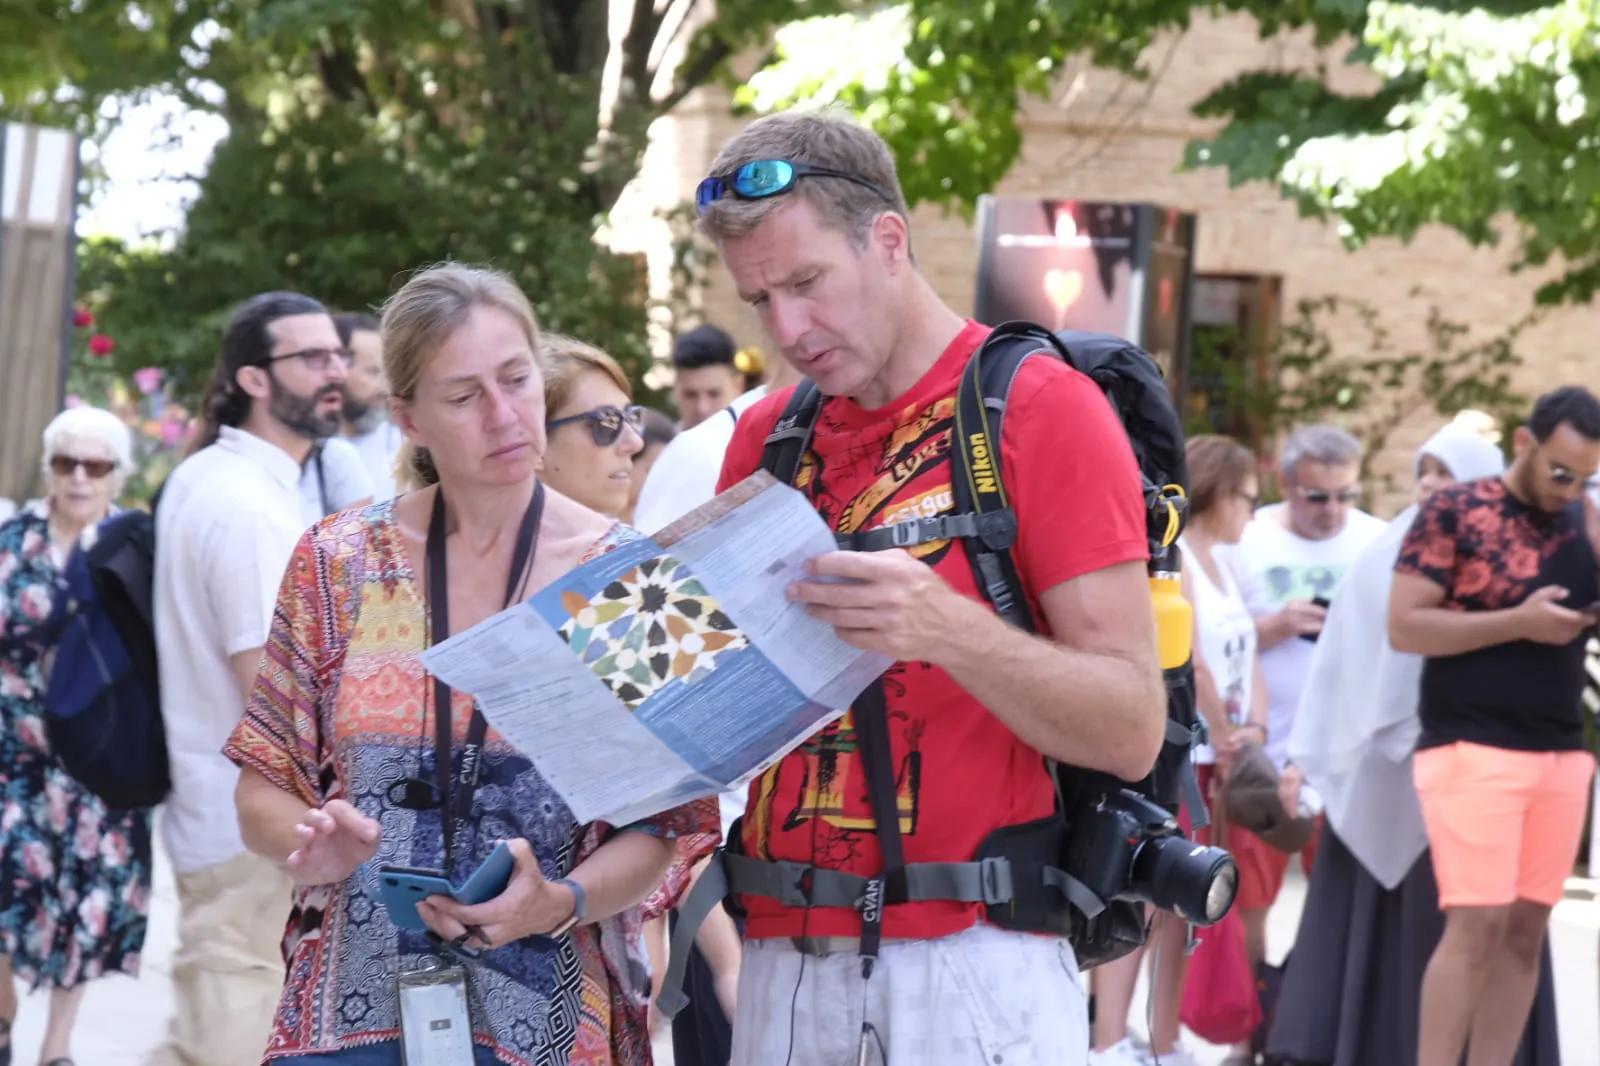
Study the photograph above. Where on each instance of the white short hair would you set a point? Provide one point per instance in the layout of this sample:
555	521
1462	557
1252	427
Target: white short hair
96	423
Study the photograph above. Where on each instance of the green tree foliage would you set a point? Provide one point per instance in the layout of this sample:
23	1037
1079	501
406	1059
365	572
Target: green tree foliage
1483	109
370	137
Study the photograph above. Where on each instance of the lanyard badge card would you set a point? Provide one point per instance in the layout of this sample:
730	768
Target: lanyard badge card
435	1024
435	1019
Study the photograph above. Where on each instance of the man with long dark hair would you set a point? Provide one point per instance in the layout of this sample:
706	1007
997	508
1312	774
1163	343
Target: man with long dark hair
229	518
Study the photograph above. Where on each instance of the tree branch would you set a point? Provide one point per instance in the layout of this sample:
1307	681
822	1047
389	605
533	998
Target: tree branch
636	47
694	74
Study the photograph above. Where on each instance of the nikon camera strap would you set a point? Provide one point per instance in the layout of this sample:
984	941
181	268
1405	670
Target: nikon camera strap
787	445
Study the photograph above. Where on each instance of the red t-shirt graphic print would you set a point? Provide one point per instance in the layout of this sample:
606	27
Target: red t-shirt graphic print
961	772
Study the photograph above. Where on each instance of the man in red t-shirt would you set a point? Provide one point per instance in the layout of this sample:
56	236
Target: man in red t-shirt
972	703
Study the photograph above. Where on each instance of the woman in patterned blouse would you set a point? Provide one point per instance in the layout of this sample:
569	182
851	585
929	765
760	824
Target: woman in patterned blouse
342	713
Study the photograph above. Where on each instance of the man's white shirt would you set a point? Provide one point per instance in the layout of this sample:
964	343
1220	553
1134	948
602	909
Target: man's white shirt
685	473
227	523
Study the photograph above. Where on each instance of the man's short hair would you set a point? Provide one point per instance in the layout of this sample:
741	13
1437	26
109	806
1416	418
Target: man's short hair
1572	405
349	323
1323	443
819	139
705	345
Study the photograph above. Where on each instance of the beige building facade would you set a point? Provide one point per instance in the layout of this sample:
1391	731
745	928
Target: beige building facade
1106	138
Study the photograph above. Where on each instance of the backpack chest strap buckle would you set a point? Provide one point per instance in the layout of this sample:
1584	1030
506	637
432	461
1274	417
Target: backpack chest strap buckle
996	529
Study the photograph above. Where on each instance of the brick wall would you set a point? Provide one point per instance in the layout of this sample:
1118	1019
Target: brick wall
1103	137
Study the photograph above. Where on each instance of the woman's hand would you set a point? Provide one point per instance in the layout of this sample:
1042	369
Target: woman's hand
529	906
333	843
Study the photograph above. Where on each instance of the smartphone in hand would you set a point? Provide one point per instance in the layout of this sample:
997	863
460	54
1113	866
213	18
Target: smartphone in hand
1320	601
401	888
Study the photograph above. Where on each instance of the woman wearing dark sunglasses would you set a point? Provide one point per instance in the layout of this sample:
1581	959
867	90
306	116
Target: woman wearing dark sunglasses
594	428
76	876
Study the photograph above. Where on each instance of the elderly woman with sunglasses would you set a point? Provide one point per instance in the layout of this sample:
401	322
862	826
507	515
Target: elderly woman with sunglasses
74	877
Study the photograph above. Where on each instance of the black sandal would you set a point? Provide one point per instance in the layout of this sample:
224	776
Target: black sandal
59	1062
5	1049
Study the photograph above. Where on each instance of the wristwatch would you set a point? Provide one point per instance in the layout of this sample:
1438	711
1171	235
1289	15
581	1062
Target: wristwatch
580	907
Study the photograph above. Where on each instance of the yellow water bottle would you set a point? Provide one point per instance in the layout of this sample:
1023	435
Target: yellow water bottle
1174	614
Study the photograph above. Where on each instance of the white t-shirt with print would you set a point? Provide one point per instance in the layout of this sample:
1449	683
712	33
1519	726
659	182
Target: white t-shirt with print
1226	637
1277	566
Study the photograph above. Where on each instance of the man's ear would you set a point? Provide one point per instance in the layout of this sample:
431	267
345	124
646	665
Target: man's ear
254	381
1522	441
892	236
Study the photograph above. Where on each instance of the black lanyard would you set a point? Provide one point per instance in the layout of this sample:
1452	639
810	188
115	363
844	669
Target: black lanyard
438	630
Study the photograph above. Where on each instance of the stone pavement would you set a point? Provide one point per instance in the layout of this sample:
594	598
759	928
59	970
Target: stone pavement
123	1019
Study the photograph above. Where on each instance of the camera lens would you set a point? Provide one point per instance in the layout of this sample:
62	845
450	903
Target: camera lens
1175	874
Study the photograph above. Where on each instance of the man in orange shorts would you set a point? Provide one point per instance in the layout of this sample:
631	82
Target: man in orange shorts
1494	585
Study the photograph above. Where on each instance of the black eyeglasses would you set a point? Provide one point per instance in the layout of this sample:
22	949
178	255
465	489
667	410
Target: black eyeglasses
66	465
762	178
605	423
1318	497
320	360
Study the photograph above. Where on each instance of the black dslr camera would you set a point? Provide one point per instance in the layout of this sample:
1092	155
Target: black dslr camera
1125	848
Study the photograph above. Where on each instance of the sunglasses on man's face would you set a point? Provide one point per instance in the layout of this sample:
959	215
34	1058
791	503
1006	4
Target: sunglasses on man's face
1321	497
762	178
605	423
66	465
1565	476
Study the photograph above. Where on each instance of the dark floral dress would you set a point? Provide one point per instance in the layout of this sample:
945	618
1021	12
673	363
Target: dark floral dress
74	877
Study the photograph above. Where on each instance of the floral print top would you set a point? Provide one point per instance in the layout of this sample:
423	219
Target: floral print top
338	712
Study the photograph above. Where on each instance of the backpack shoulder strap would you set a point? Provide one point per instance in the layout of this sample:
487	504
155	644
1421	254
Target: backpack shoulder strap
976	484
791	435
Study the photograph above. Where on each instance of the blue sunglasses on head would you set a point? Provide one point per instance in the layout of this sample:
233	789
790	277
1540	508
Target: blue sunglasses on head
762	178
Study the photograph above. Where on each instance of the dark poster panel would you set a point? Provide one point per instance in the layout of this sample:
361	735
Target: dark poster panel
1123	269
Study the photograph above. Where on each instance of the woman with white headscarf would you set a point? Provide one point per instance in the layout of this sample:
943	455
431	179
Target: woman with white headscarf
1352	985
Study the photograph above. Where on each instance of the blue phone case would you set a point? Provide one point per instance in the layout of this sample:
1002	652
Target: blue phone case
401	887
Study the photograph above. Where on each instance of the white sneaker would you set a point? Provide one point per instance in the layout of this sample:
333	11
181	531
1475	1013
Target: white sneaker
1122	1053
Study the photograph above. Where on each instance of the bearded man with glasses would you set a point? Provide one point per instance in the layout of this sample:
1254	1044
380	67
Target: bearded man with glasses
1293	555
1497	585
227	522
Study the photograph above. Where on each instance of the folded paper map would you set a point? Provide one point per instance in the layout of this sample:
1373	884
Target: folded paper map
672	668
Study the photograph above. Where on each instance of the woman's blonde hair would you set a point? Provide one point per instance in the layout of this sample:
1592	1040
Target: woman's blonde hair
564	360
421	316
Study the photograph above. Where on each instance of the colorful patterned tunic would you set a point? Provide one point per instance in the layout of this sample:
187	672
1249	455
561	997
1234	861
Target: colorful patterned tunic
74	877
340	711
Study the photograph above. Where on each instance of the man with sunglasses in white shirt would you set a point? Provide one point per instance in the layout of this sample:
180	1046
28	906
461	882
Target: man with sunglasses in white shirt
1293	555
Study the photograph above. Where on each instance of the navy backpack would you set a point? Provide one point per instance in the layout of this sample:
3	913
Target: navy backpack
102	698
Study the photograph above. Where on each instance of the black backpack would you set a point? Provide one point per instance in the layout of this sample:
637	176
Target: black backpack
983	520
103	697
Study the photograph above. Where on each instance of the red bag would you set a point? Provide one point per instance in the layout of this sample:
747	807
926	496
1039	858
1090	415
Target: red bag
1220	1004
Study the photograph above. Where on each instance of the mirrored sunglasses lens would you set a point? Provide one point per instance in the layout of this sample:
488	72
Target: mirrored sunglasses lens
606	427
709	192
764	177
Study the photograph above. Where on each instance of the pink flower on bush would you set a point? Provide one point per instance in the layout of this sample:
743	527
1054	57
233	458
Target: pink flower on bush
171	432
74	400
82	319
102	345
147	379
